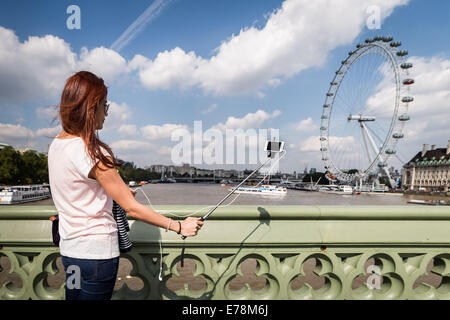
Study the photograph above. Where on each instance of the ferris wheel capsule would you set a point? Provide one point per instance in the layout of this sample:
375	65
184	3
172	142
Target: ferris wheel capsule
406	65
387	38
369	40
402	53
403	117
330	94
359	45
408	81
398	135
378	38
407	99
390	151
395	44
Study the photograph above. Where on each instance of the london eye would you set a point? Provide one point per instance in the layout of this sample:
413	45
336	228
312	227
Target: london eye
365	110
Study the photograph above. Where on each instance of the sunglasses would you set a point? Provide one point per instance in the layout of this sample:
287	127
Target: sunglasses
106	107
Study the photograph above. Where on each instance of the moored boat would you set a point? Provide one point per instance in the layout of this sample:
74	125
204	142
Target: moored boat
22	194
336	189
265	189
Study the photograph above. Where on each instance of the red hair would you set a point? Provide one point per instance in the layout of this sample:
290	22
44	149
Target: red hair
80	99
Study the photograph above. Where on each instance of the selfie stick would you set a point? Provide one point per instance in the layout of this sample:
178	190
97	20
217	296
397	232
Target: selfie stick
231	192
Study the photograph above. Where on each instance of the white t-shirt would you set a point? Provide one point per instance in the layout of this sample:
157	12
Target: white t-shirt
86	225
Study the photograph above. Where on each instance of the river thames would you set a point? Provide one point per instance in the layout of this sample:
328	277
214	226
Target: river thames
210	194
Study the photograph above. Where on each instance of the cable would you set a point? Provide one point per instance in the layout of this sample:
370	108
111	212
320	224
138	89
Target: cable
170	212
208	207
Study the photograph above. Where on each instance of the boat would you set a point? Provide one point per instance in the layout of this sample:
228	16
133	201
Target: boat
22	194
336	189
265	189
430	202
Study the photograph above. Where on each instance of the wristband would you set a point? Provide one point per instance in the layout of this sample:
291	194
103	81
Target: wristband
168	227
179	231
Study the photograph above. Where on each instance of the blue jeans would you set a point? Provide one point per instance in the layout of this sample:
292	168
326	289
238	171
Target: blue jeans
90	279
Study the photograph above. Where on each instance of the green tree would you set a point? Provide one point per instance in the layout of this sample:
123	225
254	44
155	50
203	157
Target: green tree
315	177
11	164
27	168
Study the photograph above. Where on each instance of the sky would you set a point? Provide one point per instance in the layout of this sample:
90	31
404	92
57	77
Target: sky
247	64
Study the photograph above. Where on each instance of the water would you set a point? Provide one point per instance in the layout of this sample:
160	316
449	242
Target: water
210	194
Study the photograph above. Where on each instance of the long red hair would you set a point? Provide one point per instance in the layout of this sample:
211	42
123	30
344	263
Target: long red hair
80	99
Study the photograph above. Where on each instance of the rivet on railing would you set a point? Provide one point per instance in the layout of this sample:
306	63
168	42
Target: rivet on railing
323	248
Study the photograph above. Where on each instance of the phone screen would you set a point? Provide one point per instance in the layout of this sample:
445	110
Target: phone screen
274	146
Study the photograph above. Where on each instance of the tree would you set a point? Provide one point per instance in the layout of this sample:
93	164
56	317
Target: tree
315	177
11	164
27	168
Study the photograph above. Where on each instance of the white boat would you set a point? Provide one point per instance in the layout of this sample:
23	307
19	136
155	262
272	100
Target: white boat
265	189
21	194
336	189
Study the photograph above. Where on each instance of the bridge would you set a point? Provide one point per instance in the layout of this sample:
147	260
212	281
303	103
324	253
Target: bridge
251	252
219	179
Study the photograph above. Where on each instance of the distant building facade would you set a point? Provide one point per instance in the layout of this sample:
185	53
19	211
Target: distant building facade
428	170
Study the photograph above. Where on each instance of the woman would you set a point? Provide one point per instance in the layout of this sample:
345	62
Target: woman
84	181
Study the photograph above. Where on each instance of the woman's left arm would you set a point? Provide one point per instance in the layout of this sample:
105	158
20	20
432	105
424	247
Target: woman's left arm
113	184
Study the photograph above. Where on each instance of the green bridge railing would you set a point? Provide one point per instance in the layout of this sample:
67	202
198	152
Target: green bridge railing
250	252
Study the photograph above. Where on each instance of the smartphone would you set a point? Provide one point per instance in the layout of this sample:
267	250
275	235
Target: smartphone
273	147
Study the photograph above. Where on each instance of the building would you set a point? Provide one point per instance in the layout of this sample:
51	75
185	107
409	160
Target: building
428	170
170	170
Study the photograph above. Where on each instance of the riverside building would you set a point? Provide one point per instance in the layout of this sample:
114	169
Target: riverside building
428	170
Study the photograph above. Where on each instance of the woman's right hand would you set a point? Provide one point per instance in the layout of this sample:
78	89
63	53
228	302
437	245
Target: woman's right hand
190	226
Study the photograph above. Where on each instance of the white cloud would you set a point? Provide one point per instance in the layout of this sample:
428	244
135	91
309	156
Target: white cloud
117	115
173	68
14	131
312	143
128	130
38	67
123	146
154	132
49	132
430	110
250	120
33	69
306	125
104	62
297	36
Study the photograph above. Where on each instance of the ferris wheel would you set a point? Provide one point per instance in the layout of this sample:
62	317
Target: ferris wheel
365	110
